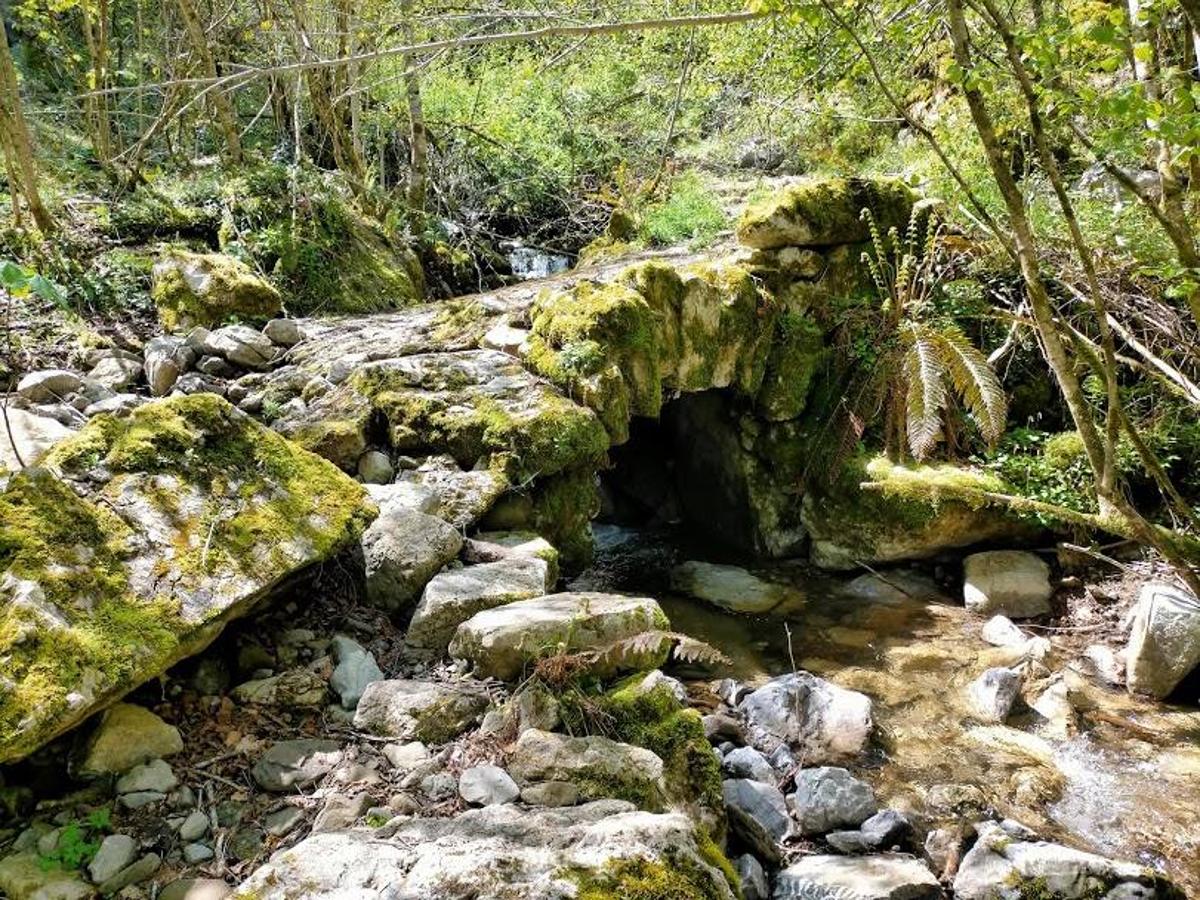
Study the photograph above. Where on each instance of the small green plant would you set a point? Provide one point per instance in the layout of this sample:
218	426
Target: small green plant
690	212
78	841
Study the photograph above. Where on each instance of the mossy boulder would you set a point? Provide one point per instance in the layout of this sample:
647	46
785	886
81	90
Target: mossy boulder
206	289
821	212
906	512
599	767
139	540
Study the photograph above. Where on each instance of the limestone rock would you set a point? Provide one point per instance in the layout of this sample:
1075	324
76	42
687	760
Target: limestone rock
486	785
294	764
356	669
993	693
1006	862
1000	631
746	762
204	289
166	358
1006	582
155	776
23	877
429	711
753	878
293	689
886	876
284	332
550	793
196	889
404	495
403	550
375	468
48	385
758	814
828	798
598	767
125	736
454	596
732	588
500	642
115	852
1164	643
495	853
809	714
819	212
34	435
116	373
493	546
132	874
242	346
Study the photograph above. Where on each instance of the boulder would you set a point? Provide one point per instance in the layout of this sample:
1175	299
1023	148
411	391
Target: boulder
758	815
284	332
126	736
117	373
33	435
487	785
815	717
375	467
403	549
1164	643
754	879
166	358
493	546
356	669
732	588
139	540
886	876
1006	862
115	852
746	762
290	765
820	212
500	642
455	595
241	346
205	289
828	798
993	693
429	711
596	766
48	385
602	849
24	876
1011	583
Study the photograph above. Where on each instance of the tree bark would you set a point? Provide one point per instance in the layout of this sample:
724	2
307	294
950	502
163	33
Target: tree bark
221	104
12	123
418	135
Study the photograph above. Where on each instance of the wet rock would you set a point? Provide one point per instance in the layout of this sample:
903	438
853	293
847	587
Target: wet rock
340	811
885	829
23	877
284	332
886	876
598	767
1055	708
1012	583
115	852
809	714
403	550
454	596
196	889
48	385
356	669
746	762
375	468
33	435
551	793
486	785
134	873
1164	642
126	736
993	693
721	726
829	798
1000	631
732	588
754	879
435	712
501	642
155	775
166	358
289	765
758	815
495	851
1003	863
1107	663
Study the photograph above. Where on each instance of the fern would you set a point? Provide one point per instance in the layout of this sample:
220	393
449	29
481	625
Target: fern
974	380
560	669
925	389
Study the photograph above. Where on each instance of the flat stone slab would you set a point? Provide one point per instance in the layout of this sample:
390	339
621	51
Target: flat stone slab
501	642
430	711
732	588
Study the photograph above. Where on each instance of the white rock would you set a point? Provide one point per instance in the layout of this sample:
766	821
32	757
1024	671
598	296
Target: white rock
166	358
993	693
822	721
116	373
884	876
155	775
242	346
284	332
487	785
506	339
1164	643
1009	582
828	798
375	468
999	631
732	587
33	435
356	668
48	385
115	853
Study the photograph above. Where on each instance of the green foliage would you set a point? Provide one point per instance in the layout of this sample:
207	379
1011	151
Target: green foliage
690	212
78	841
17	281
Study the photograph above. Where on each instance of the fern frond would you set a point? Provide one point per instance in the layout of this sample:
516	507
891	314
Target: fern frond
974	380
925	390
692	650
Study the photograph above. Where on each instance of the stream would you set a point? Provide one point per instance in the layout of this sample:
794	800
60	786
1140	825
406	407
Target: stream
1121	777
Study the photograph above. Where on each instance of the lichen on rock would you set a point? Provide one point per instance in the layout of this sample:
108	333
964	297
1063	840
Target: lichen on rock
138	541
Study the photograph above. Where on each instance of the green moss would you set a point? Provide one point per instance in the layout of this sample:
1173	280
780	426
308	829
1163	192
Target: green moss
797	355
229	500
823	212
674	877
232	291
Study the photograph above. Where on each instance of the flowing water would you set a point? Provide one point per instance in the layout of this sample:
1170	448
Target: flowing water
1120	776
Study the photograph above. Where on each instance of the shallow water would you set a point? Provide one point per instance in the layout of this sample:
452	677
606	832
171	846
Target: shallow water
1123	781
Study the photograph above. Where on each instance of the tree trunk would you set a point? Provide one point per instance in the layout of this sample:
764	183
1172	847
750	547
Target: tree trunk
12	123
221	104
418	136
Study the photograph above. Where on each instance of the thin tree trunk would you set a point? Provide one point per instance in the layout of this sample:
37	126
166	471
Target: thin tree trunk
12	123
418	135
14	184
1112	503
222	106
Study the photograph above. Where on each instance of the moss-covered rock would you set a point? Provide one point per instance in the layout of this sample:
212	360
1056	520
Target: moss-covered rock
206	289
907	513
820	212
796	357
136	544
